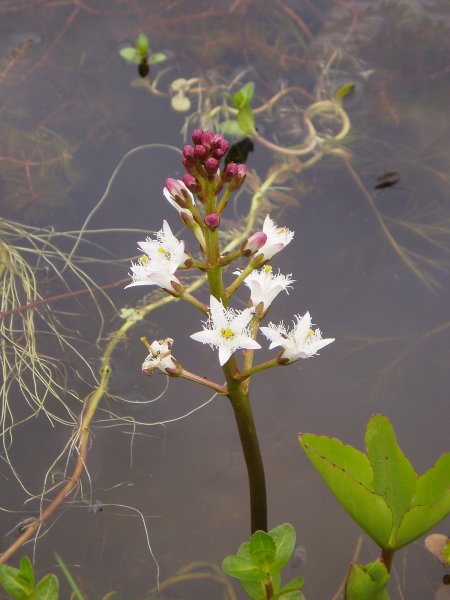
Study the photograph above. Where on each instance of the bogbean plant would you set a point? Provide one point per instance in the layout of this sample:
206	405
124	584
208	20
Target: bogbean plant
380	491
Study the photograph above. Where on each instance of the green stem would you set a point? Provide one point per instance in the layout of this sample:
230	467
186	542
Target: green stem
237	282
194	301
224	200
257	369
250	446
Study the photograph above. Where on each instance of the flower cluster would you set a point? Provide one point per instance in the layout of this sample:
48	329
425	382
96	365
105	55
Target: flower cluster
196	198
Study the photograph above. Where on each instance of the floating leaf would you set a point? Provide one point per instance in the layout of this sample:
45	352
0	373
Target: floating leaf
180	102
246	120
26	571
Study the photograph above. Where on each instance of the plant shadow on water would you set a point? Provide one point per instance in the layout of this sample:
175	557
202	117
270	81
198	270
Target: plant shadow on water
373	263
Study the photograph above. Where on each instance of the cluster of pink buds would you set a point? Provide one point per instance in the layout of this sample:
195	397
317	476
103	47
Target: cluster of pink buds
202	161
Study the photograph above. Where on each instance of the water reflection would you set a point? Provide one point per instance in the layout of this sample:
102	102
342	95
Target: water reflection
373	270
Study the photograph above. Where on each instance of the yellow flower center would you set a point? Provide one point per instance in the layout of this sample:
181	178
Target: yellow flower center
309	334
166	253
267	269
144	259
227	333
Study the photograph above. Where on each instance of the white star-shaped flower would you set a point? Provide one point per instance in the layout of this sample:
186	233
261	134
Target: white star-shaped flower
163	256
227	330
265	286
159	357
277	239
300	342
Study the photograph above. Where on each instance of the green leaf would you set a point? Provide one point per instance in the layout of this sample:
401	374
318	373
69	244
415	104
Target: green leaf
157	58
13	583
262	550
47	588
256	590
240	565
142	44
230	127
433	486
246	120
367	508
284	538
367	582
243	97
295	584
297	595
290	591
26	571
343	456
394	477
129	54
421	519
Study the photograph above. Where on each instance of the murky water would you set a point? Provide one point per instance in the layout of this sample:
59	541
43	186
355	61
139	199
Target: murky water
371	265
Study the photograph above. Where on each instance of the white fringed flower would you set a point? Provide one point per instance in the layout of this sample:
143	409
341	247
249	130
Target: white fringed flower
227	330
277	239
163	256
159	357
265	286
301	342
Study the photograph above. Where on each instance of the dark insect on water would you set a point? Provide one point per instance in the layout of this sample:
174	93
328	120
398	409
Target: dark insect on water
143	67
386	180
239	151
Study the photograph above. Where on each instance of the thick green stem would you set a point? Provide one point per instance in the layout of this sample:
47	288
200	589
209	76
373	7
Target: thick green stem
252	454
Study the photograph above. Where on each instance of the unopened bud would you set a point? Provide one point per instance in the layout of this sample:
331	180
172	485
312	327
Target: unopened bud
230	171
207	138
178	191
254	243
212	221
191	183
188	157
197	136
211	165
200	152
218	153
238	179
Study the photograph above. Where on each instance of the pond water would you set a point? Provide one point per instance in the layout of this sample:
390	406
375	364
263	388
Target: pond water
370	258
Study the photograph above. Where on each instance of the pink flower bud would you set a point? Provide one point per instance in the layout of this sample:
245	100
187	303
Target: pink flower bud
211	165
200	152
254	243
177	190
218	153
191	183
212	221
197	136
188	157
230	171
238	179
207	138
